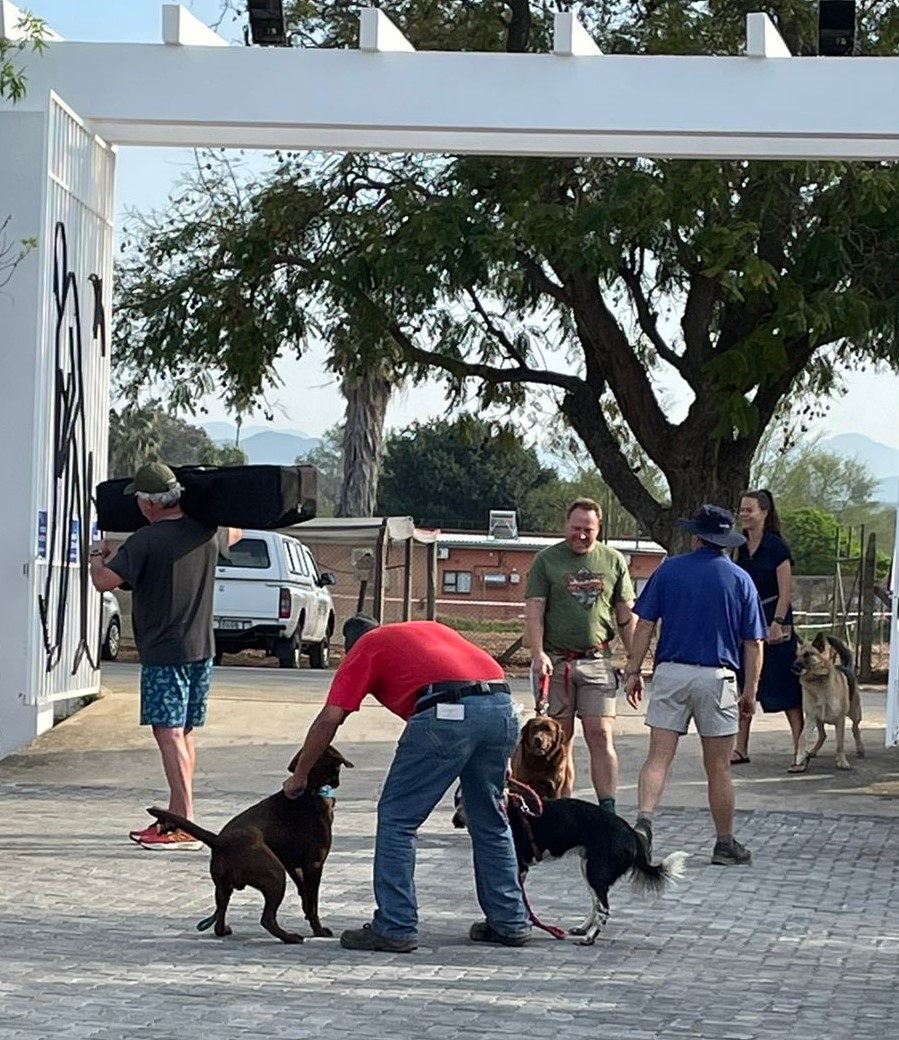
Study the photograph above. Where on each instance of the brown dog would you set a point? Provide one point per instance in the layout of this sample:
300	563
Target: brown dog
541	758
275	835
829	695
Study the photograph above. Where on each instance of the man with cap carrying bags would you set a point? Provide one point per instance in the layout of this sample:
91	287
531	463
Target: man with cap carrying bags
460	723
710	614
170	568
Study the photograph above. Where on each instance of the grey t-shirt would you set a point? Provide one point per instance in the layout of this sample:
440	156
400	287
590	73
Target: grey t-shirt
170	566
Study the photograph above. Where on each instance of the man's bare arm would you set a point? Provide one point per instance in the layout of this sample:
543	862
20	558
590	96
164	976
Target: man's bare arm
319	736
534	610
627	622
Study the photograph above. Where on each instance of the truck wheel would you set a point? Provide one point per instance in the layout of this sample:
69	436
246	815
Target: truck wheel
110	649
288	653
320	654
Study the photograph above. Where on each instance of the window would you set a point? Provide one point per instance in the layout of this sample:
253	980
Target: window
457	581
251	553
295	559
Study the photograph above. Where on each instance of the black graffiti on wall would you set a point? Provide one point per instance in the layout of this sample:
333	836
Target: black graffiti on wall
66	528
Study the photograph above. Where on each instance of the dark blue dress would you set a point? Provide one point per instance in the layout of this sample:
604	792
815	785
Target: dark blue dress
778	687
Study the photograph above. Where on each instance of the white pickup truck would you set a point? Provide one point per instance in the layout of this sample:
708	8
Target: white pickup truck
270	595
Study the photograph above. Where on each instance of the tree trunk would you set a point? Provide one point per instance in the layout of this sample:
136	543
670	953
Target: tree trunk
367	396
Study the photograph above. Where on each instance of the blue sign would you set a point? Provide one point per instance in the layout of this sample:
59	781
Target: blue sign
42	535
74	536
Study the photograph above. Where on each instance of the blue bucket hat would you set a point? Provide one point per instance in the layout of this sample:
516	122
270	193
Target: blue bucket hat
716	525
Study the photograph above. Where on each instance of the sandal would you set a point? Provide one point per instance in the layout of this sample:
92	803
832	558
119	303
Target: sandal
737	758
798	767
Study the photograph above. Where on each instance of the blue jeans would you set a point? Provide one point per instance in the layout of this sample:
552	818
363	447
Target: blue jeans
430	755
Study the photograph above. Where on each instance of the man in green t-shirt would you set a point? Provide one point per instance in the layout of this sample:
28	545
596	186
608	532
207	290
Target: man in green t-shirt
578	594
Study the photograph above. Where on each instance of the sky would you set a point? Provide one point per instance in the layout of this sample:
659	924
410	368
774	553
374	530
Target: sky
310	399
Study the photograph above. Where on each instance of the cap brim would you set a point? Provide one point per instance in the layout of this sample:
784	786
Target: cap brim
731	540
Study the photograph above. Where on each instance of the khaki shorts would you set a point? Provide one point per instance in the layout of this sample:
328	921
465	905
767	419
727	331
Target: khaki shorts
680	692
588	690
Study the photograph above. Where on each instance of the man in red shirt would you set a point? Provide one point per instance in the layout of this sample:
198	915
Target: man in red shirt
459	724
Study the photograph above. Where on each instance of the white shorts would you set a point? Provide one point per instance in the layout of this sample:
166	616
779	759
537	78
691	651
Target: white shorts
709	696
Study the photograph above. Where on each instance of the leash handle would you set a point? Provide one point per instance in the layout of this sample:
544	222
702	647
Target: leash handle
541	693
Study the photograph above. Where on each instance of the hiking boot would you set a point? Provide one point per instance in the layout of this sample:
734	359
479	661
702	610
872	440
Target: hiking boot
366	938
643	830
171	841
730	855
483	931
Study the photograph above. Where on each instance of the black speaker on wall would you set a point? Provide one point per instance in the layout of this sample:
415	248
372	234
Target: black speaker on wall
836	28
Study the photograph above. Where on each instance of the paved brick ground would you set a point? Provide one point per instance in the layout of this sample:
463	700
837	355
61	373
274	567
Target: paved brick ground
97	937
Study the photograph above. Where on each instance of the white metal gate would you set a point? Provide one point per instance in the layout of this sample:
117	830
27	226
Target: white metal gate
71	404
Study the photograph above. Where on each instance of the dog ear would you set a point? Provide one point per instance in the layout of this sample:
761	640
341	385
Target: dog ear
335	754
820	642
292	764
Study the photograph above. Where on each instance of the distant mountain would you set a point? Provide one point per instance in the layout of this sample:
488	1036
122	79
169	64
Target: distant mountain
881	460
262	444
887	490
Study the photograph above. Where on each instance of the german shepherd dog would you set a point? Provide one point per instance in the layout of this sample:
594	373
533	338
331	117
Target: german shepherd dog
829	695
274	836
608	846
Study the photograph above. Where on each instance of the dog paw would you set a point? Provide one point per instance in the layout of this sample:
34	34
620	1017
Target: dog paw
843	764
222	932
322	933
291	937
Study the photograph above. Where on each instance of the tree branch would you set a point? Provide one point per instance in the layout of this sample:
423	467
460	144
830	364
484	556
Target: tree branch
648	319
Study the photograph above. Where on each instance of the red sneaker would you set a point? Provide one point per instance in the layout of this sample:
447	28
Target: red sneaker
171	841
148	832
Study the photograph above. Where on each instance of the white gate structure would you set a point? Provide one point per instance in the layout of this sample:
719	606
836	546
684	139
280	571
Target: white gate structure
193	89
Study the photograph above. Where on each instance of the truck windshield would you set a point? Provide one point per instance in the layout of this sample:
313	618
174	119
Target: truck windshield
248	552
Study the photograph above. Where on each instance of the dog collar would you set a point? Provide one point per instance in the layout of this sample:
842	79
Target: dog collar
325	792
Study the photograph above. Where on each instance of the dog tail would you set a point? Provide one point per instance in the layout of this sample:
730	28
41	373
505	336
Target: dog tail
654	878
164	816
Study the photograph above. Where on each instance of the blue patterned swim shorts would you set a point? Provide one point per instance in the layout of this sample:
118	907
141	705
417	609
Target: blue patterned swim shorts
175	695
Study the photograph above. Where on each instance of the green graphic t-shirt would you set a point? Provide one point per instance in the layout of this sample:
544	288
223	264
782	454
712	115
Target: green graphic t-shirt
581	590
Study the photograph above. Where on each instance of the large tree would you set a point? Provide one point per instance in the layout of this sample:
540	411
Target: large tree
599	282
138	433
451	473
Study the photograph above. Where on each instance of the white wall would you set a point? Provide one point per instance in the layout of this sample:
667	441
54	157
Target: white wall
56	180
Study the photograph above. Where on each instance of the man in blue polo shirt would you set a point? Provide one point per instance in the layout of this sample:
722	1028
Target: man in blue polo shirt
710	612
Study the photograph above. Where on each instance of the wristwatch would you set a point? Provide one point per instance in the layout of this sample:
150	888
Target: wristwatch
95	552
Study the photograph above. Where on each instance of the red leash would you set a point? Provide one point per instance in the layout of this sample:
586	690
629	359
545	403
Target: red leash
525	809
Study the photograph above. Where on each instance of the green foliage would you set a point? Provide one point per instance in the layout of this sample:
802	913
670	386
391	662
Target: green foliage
327	458
13	81
812	535
452	473
808	474
139	434
590	280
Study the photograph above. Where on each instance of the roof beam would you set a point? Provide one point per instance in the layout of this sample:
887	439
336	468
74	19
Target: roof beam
763	40
10	21
570	38
182	28
378	33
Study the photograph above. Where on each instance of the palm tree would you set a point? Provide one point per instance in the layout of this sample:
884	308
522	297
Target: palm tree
134	438
367	393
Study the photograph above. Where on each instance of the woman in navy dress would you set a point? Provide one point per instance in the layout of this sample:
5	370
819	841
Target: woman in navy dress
766	558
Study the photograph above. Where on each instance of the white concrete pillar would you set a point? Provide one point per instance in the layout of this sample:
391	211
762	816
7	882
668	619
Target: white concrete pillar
56	186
